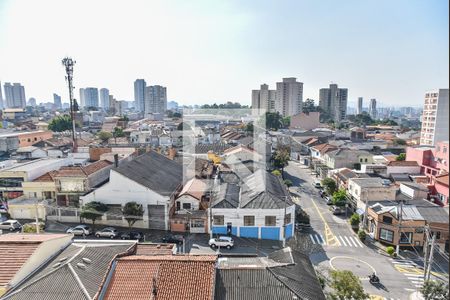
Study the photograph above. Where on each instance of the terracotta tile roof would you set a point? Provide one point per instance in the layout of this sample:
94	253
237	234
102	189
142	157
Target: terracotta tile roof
324	148
404	163
195	188
169	277
49	176
443	179
80	171
155	249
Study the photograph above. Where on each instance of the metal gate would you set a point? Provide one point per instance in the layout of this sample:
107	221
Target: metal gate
156	217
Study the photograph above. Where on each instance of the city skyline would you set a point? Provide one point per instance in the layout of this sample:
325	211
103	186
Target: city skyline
216	52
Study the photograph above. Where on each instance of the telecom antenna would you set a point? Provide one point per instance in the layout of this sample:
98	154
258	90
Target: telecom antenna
68	63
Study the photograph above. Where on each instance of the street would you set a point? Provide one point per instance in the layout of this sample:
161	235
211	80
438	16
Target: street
332	244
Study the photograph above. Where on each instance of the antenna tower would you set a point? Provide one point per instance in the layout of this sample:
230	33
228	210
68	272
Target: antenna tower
68	64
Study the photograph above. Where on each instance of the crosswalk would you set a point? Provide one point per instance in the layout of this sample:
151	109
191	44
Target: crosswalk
411	270
342	241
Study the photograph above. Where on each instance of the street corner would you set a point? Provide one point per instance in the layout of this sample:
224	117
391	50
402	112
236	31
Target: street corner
359	267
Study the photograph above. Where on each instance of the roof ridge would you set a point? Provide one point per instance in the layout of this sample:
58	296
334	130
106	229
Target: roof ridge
77	278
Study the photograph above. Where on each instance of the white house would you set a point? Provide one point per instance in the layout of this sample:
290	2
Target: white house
403	167
367	190
151	180
259	208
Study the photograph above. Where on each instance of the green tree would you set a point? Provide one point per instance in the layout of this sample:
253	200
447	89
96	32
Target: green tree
301	216
93	211
362	235
272	120
400	157
390	250
177	115
288	182
104	136
276	173
117	132
354	220
60	123
399	142
281	158
249	127
329	185
434	290
132	212
339	198
346	286
308	106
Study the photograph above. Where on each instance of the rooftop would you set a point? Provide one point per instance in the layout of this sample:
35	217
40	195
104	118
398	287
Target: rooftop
403	163
32	165
195	188
371	182
155	249
77	171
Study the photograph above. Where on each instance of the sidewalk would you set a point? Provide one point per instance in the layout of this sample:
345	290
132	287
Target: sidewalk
416	296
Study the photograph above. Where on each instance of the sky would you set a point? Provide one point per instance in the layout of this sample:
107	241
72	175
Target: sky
217	51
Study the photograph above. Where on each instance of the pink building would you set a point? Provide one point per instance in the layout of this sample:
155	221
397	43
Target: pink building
441	156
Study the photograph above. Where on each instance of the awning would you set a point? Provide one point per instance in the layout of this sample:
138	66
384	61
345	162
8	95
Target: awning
360	211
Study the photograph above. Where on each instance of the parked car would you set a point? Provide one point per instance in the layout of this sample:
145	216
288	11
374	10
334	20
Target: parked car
317	184
132	235
322	193
222	241
329	200
173	238
82	230
109	232
10	225
336	210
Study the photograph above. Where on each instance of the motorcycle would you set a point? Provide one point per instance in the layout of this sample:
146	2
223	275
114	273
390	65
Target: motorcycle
374	278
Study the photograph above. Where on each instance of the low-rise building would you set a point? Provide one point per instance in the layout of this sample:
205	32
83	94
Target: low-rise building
346	158
402	167
305	121
363	191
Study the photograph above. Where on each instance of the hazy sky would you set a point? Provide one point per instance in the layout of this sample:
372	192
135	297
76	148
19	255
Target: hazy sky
216	51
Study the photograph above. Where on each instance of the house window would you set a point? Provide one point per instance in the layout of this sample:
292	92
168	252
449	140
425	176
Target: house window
197	223
186	206
178	205
386	235
271	221
218	220
249	220
387	220
406	237
287	219
365	160
437	233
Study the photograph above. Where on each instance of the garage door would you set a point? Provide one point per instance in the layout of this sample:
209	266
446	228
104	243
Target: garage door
156	217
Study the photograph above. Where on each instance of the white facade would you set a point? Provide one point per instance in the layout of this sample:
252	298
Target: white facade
362	192
412	170
289	97
15	95
359	106
120	190
263	99
333	100
139	94
155	100
435	117
104	98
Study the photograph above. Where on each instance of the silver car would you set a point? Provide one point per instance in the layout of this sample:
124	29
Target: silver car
82	230
10	225
109	232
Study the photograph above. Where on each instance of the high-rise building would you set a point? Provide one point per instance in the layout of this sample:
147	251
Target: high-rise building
359	108
155	99
31	102
333	100
82	98
373	108
289	97
2	105
139	94
91	97
263	99
104	98
435	117
15	95
57	101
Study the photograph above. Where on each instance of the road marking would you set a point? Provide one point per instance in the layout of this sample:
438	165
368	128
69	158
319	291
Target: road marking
351	239
342	241
330	238
323	240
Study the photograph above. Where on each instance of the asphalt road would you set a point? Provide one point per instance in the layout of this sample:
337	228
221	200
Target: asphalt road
332	244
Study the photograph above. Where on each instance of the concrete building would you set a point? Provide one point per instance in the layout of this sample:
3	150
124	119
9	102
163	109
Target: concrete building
435	117
139	94
333	100
82	98
359	107
15	95
91	97
364	191
263	99
2	105
373	108
104	98
289	97
305	121
31	102
155	100
57	101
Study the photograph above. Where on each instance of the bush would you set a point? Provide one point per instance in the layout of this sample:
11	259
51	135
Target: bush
29	228
390	250
276	172
362	235
301	216
288	182
354	219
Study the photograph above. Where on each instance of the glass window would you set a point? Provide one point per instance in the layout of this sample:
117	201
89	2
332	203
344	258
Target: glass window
186	206
387	220
406	237
249	220
271	221
218	220
386	235
287	219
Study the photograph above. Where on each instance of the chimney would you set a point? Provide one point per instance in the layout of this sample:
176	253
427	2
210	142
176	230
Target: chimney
116	160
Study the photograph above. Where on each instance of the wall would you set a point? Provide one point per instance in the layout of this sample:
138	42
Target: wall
31	187
403	170
305	121
28	139
26	211
188	199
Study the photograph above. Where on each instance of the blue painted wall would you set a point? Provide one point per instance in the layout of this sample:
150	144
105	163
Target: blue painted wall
289	231
233	230
219	229
270	233
249	232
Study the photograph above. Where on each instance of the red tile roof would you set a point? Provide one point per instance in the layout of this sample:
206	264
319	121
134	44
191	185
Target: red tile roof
324	148
49	176
163	277
80	171
155	249
403	163
195	188
443	179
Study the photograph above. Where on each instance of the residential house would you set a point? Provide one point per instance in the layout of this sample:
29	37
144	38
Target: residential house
305	121
29	153
402	167
441	189
151	180
346	158
283	274
341	176
22	254
414	190
28	138
259	208
362	191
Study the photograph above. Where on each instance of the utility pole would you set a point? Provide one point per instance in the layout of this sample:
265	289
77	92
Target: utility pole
400	215
37	216
430	261
425	255
68	64
284	223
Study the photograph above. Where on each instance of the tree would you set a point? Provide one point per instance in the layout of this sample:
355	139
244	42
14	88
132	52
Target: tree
104	136
288	182
177	115
362	235
301	216
355	220
308	106
346	286
249	127
399	142
400	157
434	290
93	211
132	212
276	173
339	198
118	132
273	120
281	158
60	123
329	185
